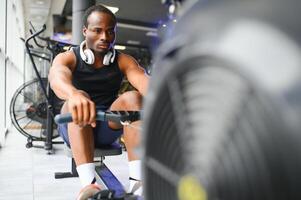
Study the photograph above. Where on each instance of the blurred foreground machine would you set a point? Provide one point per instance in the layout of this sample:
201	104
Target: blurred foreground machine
222	119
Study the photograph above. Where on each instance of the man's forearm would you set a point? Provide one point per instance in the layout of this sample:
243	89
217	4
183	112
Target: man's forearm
62	90
61	84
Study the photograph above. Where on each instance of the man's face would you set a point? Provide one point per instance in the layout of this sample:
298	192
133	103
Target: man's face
100	33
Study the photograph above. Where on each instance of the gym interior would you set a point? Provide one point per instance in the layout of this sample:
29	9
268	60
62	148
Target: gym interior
220	119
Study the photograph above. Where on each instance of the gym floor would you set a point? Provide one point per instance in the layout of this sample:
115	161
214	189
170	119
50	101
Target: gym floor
28	174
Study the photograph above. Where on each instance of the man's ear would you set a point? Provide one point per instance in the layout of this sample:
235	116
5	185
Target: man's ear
84	31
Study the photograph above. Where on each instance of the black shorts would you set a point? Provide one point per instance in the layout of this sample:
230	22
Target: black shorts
103	134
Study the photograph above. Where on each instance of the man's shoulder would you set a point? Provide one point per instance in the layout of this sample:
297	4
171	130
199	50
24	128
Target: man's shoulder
124	56
66	58
70	54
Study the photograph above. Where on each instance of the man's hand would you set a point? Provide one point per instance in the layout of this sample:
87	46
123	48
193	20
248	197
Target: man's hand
82	108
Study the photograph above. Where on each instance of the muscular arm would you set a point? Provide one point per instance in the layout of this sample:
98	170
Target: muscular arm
60	75
78	102
134	73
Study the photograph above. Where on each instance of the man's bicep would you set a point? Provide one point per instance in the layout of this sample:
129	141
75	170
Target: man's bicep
133	68
61	67
138	79
134	73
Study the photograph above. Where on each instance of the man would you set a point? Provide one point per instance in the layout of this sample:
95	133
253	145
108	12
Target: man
90	76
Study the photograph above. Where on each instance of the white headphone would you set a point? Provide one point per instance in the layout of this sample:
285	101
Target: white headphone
87	55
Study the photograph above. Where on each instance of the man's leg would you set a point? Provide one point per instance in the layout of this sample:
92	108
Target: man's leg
131	101
81	141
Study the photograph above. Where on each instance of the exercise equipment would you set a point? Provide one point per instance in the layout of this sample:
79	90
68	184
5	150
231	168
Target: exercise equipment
113	188
222	114
34	104
28	111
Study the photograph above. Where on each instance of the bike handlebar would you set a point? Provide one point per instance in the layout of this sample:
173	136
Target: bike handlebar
34	35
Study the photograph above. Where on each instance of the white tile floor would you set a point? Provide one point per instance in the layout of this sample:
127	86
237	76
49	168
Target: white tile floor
28	174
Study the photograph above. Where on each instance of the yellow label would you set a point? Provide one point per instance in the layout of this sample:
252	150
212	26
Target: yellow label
190	188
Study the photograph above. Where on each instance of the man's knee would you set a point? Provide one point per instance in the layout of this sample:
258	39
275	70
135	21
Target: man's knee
131	100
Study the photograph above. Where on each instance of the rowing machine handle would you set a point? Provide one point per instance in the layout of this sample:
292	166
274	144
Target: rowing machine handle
67	117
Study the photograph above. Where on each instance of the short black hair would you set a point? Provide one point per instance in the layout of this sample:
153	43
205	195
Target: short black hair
97	8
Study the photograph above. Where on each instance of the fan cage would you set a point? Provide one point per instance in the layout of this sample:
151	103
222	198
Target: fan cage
28	110
210	122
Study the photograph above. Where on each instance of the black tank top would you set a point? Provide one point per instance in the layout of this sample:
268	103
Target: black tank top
101	84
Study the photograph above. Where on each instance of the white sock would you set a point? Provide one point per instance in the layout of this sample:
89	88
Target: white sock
86	173
135	173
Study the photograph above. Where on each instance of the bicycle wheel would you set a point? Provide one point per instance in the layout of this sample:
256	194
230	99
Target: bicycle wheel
28	110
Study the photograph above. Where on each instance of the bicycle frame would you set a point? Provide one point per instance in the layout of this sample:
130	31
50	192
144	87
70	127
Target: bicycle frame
47	92
27	45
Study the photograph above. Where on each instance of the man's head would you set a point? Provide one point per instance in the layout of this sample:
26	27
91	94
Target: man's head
99	28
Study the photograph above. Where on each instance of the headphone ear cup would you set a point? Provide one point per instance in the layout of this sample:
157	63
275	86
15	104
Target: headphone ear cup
89	56
81	51
113	56
107	58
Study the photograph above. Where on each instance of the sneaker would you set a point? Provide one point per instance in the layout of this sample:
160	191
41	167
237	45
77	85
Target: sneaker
88	191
